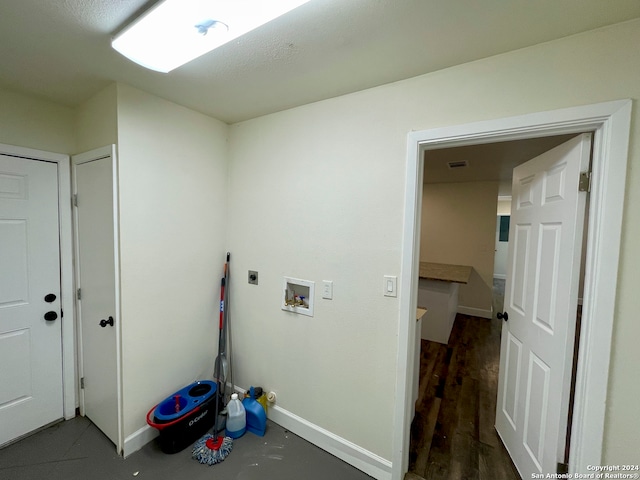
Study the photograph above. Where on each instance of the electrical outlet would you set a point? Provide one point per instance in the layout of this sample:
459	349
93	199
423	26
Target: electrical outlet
253	277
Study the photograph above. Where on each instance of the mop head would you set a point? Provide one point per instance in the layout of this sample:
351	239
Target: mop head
209	450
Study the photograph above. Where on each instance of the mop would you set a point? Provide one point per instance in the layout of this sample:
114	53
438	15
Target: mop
212	449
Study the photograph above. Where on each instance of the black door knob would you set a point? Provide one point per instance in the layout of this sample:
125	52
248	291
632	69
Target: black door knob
503	316
50	316
50	297
104	323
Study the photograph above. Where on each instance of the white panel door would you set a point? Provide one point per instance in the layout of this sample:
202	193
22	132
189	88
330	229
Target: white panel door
541	296
30	316
96	276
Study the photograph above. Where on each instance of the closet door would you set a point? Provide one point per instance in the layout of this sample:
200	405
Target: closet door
97	281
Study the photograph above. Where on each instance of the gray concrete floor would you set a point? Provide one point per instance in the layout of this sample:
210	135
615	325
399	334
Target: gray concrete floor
76	449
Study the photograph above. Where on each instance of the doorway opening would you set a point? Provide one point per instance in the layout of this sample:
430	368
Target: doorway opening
610	123
454	425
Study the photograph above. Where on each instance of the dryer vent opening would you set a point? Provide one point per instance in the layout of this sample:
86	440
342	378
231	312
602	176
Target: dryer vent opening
458	164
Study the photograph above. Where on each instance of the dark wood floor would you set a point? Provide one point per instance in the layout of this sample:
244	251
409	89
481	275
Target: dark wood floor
453	434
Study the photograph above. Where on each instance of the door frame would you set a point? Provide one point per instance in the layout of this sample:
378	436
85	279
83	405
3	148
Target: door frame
67	304
610	123
108	151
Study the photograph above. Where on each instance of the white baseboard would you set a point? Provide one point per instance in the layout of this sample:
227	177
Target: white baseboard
475	312
499	276
138	439
354	455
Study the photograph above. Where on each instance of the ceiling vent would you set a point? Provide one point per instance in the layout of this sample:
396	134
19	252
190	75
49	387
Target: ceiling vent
459	164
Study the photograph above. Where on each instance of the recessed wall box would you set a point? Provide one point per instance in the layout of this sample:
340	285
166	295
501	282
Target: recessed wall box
297	296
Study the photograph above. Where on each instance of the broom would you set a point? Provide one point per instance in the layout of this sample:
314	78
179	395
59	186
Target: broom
212	449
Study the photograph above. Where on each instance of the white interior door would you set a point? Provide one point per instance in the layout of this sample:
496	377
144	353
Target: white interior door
96	277
545	242
30	315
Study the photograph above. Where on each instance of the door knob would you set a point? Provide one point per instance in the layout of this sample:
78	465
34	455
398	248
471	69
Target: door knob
50	297
50	316
104	323
503	316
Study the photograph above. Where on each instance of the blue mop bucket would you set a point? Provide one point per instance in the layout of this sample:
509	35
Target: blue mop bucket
184	416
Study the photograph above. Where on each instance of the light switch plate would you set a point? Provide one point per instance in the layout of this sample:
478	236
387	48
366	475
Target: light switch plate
327	289
390	286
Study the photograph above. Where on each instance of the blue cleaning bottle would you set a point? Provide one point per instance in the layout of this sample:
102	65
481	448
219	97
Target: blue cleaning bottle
256	415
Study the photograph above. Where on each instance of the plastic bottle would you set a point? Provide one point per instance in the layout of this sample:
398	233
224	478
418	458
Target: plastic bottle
262	400
256	416
236	418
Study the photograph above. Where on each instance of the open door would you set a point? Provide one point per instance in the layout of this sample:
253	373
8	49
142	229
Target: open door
541	297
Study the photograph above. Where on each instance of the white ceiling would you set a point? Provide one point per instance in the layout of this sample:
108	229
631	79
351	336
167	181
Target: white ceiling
486	162
60	49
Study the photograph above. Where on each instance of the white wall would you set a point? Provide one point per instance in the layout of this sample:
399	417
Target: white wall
313	194
96	122
458	225
173	210
504	206
317	192
35	123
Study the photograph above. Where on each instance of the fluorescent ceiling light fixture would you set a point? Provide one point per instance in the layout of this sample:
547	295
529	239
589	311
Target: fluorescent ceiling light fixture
174	32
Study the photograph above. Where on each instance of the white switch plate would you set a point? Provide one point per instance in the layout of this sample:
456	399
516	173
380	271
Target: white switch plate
327	289
390	286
